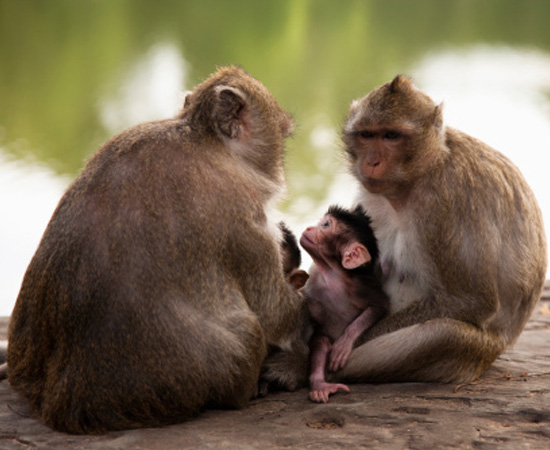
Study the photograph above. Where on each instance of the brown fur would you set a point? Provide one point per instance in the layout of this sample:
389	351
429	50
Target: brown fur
462	244
157	286
291	258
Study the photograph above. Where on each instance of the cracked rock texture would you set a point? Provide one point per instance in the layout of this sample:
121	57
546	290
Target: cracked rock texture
509	408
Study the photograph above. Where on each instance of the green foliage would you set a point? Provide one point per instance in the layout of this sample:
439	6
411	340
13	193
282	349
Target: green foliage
58	58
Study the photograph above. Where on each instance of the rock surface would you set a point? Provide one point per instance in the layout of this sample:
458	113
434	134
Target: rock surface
509	408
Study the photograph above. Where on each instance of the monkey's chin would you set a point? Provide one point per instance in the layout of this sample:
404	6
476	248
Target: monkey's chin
375	185
306	242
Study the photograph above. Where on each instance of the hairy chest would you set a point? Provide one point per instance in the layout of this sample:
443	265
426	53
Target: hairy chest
406	269
330	303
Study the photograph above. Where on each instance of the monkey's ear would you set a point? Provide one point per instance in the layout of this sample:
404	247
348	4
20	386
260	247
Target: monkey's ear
229	111
438	116
355	255
187	101
298	278
399	83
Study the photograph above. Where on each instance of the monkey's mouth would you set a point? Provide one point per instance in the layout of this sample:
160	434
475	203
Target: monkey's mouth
373	181
375	185
306	242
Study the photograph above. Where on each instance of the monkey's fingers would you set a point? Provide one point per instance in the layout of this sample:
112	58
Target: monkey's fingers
340	387
339	355
321	393
318	396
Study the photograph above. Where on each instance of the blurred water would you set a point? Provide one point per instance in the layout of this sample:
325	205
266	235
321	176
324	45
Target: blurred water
28	195
76	82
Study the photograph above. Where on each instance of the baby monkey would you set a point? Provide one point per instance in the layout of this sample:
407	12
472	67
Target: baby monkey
343	293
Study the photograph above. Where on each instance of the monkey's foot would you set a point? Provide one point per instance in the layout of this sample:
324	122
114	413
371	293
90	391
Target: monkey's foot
320	391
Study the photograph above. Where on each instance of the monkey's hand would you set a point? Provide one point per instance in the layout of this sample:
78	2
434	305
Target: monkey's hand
339	353
342	347
321	390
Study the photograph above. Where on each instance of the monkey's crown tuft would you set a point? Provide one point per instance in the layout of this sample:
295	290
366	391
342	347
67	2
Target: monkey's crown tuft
359	223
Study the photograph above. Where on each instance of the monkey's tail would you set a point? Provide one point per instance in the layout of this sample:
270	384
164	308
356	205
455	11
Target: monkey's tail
443	350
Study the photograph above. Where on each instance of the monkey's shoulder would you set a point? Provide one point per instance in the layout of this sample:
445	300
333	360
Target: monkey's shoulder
482	179
154	136
473	159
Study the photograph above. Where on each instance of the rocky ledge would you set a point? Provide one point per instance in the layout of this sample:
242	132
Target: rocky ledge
508	408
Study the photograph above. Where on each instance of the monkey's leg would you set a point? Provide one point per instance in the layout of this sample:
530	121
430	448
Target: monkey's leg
320	390
443	350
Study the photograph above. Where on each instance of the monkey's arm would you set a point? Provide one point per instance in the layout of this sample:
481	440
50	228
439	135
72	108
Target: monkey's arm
342	347
319	347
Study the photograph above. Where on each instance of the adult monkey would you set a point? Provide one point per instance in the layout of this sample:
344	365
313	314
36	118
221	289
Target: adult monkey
158	284
462	245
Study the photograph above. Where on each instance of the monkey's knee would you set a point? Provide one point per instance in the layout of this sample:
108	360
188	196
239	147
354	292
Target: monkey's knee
441	350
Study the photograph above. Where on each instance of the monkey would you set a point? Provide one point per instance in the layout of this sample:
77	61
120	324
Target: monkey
462	246
292	258
344	294
291	255
279	364
157	290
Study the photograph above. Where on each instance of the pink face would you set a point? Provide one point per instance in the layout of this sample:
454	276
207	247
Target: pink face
315	238
316	241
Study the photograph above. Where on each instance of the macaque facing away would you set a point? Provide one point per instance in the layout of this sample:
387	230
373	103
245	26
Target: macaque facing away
157	288
343	294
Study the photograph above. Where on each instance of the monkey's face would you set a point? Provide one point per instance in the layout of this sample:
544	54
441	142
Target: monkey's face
332	245
387	133
316	239
378	154
326	242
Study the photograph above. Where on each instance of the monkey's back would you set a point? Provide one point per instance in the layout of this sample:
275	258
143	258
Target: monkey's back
499	237
132	312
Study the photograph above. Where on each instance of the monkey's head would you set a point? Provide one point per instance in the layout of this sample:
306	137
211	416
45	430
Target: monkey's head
234	109
393	135
291	256
342	239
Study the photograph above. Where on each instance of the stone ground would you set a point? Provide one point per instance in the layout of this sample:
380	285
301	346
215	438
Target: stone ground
509	408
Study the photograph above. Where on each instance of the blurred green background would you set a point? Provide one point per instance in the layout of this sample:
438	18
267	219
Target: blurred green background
73	73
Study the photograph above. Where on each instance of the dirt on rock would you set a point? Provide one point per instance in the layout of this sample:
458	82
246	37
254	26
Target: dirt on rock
508	408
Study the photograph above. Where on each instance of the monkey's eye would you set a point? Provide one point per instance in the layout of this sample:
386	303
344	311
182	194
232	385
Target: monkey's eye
325	224
365	134
392	135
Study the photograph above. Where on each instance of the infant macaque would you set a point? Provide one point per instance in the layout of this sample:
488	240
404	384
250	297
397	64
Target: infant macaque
343	293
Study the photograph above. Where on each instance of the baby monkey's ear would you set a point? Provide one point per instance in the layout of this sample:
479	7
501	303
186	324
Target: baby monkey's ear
354	255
